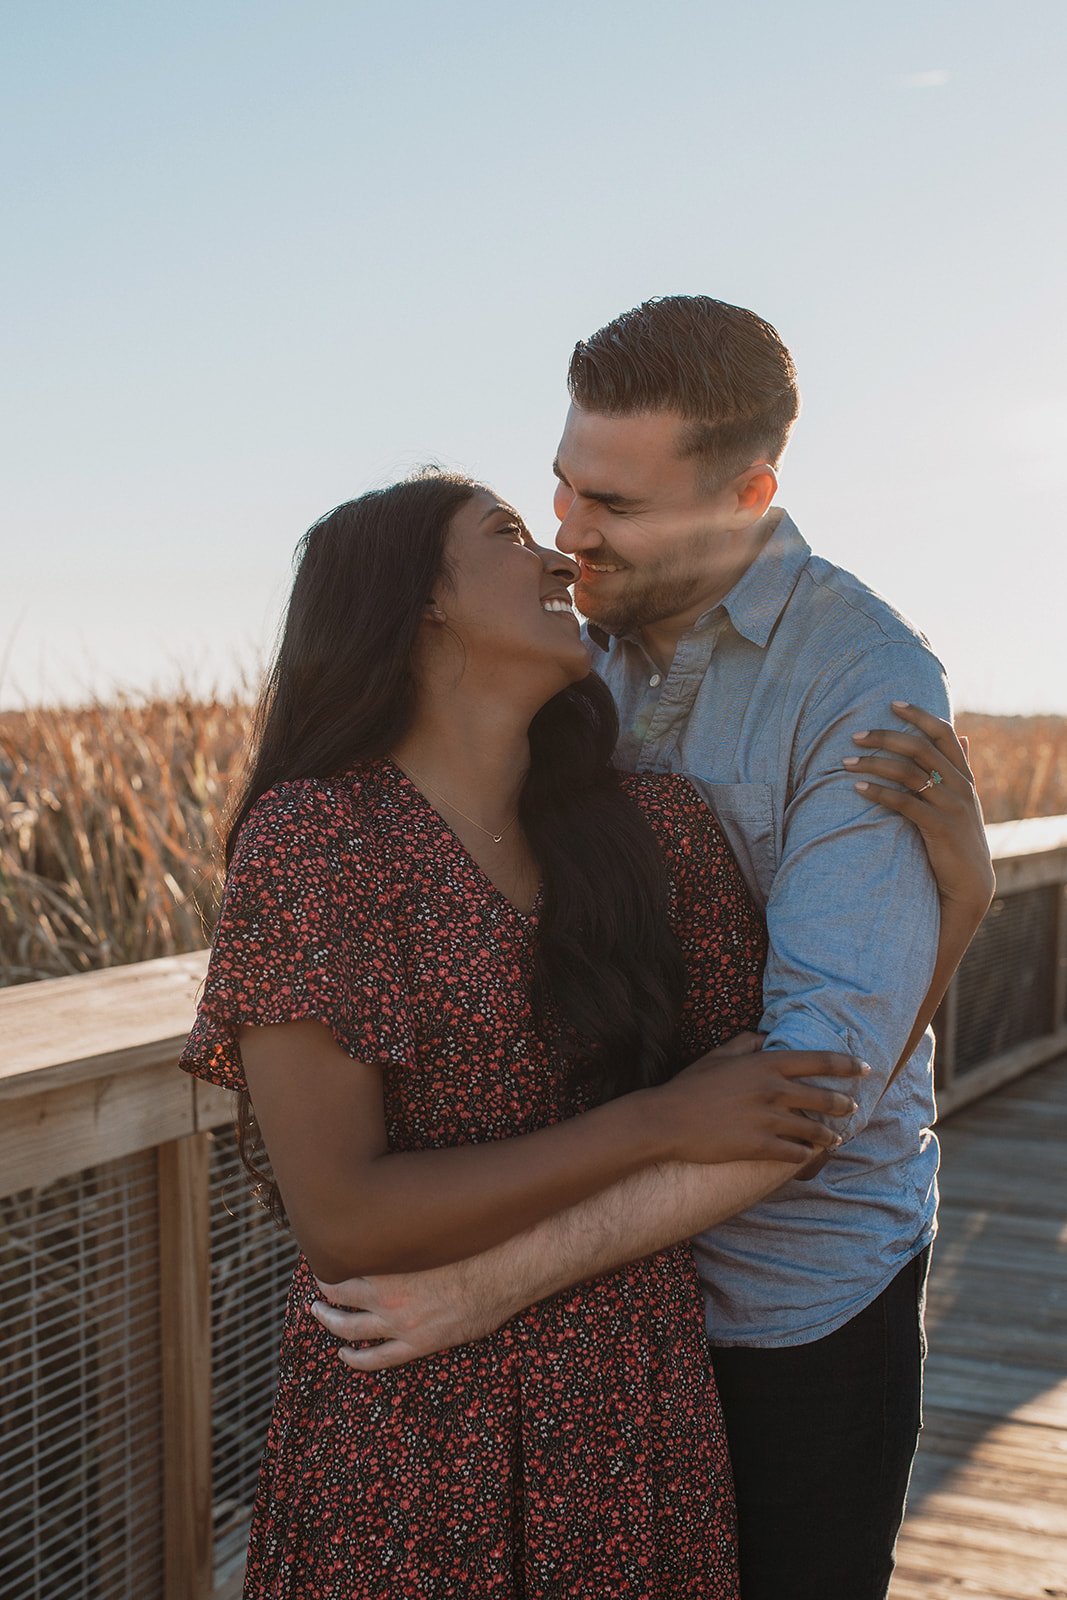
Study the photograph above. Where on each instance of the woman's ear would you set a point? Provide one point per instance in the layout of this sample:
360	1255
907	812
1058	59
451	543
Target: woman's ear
433	613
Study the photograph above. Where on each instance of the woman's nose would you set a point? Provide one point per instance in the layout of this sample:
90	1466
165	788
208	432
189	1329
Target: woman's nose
559	565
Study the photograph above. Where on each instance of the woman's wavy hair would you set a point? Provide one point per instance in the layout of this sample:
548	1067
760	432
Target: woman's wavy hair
342	690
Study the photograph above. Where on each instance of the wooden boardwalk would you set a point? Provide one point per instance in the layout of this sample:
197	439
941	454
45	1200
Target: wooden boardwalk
987	1513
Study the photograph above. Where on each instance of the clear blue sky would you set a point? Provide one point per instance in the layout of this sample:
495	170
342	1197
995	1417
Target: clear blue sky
262	256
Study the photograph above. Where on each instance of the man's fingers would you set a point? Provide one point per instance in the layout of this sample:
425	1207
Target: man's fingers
377	1357
348	1324
354	1292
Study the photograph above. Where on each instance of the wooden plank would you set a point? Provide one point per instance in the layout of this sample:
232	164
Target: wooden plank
1022	1448
49	1135
215	1107
1042	1519
1008	841
991	1075
995	1389
1037	871
67	1030
987	1512
955	1482
957	1222
185	1332
1033	1564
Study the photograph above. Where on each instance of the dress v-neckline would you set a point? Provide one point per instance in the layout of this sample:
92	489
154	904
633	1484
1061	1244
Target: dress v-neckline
474	867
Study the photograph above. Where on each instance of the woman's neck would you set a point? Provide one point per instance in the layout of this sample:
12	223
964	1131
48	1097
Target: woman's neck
475	757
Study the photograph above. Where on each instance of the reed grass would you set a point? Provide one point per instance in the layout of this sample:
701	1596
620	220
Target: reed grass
1019	764
109	829
110	818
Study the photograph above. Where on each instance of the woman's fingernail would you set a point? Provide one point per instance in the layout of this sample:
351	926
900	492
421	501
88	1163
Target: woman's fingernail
862	787
901	705
850	761
864	735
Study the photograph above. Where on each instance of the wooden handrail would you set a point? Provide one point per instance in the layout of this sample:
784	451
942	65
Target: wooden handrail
86	1072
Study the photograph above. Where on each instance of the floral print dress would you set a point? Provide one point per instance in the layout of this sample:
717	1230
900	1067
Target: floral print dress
579	1451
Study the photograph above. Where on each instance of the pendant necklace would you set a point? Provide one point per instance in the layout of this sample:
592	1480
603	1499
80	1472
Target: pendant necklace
420	783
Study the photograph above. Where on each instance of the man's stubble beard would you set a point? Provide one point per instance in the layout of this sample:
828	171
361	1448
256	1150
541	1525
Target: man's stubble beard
645	600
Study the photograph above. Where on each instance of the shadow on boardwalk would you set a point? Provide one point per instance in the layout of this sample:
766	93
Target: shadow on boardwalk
987	1513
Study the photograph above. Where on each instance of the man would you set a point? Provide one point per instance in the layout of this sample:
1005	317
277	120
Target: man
739	658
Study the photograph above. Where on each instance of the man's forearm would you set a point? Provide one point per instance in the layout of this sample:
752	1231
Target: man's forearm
644	1213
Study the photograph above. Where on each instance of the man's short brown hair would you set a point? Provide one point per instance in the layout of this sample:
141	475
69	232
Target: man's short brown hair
722	368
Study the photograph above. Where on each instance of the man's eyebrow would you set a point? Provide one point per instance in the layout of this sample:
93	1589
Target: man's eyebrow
603	497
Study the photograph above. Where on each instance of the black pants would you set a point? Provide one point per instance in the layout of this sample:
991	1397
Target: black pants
822	1438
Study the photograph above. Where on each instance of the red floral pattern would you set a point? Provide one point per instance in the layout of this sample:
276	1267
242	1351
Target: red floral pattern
579	1451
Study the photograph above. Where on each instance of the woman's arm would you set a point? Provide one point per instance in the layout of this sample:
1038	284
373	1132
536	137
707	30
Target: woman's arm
359	1208
948	815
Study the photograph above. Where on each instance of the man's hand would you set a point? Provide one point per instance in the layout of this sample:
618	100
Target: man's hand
411	1314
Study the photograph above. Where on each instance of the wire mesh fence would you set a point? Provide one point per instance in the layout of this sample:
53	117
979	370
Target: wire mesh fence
251	1263
1006	986
80	1474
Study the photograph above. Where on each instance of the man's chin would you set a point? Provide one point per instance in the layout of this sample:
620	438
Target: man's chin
597	609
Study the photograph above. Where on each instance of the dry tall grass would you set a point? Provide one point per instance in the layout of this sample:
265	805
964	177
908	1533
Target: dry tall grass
109	822
1019	764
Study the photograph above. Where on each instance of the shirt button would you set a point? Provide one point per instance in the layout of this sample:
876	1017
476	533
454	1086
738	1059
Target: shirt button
654	681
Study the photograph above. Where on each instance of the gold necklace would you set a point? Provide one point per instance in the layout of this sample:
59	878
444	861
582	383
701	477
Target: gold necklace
420	783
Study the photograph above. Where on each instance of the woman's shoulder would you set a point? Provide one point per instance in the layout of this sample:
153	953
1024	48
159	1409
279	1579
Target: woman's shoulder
329	822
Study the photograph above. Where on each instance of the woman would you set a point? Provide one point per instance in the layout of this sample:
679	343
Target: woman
445	972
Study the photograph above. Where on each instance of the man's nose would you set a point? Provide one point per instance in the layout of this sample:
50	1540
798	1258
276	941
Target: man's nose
571	536
559	565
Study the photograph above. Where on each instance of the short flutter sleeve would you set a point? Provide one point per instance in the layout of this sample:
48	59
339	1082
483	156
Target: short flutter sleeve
305	933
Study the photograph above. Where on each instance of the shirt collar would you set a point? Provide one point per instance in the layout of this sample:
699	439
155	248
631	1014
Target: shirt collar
758	598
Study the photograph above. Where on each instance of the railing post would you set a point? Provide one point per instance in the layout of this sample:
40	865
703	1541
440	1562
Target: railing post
185	1312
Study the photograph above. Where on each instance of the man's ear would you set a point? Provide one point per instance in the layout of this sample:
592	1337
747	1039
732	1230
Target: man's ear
755	489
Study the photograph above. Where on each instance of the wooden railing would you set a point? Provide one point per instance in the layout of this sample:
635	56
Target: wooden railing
90	1093
1006	1009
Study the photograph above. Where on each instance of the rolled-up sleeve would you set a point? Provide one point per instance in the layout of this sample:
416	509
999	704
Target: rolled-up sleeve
853	914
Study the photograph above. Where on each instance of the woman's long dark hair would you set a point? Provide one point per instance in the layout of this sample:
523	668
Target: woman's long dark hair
342	690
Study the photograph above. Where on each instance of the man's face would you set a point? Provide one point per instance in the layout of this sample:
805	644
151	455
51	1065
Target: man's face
652	543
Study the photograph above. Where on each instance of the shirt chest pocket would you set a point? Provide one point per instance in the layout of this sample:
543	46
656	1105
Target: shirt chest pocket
746	814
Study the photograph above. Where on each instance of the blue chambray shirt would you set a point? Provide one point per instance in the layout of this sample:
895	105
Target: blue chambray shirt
757	710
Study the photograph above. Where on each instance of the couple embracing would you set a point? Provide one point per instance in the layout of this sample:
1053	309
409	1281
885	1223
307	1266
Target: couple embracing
575	986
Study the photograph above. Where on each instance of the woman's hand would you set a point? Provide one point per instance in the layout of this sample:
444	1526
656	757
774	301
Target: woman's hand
938	795
751	1107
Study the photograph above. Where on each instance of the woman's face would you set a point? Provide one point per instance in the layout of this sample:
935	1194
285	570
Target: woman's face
508	600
